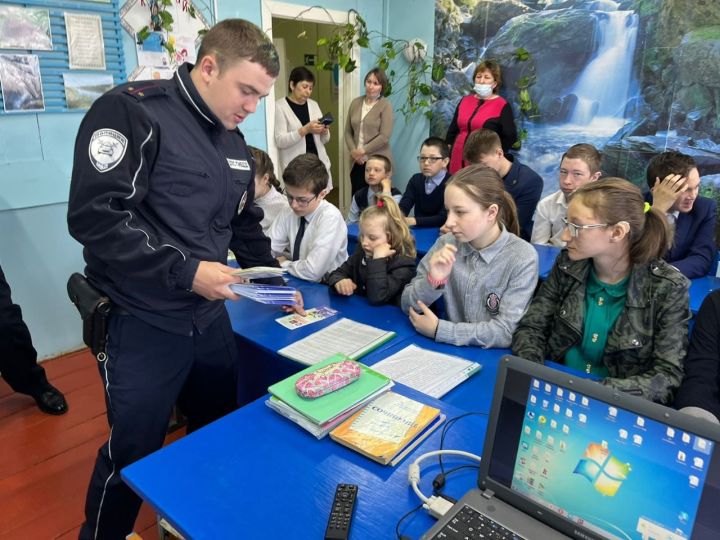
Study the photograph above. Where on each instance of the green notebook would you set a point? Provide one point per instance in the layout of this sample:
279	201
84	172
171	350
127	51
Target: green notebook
324	408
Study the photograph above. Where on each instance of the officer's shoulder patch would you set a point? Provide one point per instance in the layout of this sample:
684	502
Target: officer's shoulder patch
145	90
106	149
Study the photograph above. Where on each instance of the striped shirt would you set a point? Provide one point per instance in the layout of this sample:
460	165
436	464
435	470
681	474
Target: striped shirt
487	292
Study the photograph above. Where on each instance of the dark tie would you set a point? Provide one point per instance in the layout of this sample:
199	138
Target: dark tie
298	239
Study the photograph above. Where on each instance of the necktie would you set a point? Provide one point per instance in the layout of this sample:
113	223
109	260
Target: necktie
298	239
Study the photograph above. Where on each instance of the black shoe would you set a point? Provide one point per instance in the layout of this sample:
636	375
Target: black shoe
50	400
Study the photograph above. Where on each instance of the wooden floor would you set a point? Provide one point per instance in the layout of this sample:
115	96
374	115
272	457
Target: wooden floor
46	461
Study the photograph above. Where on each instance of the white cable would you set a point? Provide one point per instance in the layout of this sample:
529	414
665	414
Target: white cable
436	506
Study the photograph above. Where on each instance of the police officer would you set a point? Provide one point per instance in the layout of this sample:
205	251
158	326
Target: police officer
18	357
162	184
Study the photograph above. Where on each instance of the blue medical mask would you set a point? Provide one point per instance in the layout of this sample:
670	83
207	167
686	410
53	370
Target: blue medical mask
483	90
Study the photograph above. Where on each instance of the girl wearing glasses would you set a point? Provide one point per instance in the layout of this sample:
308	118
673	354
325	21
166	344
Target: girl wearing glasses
485	274
611	307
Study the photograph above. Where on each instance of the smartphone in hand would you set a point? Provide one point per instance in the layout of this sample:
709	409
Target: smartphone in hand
327	119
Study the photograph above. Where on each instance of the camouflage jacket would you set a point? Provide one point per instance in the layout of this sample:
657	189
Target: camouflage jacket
646	347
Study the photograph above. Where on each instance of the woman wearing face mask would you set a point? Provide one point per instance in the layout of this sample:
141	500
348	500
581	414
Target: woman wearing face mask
369	126
298	129
484	108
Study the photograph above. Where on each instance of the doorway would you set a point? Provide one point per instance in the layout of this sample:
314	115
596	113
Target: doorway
295	31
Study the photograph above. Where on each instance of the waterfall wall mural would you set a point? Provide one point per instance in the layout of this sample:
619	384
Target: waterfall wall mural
634	78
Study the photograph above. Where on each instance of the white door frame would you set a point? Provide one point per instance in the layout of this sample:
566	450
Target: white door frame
348	84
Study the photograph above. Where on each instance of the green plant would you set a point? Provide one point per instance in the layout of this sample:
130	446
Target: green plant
528	108
162	20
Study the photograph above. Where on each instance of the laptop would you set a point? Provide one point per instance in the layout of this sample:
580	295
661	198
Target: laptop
565	457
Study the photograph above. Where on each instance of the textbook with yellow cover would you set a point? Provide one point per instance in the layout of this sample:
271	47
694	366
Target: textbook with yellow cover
388	428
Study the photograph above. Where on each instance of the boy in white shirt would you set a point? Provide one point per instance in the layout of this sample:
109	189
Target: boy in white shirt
580	165
309	238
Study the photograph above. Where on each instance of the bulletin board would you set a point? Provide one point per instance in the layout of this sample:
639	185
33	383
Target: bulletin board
52	61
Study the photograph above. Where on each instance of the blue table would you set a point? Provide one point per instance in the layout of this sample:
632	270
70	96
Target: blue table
476	393
255	475
259	337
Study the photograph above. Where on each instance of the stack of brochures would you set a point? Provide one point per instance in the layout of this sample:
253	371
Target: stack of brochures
347	337
320	415
260	272
265	294
388	428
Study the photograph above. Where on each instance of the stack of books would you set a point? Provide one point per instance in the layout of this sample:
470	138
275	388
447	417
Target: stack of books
265	294
320	415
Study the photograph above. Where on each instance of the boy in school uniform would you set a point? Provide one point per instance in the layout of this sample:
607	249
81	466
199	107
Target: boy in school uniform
309	238
425	190
378	177
483	146
580	165
674	183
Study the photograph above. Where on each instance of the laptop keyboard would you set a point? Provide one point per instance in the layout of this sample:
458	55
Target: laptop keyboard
469	524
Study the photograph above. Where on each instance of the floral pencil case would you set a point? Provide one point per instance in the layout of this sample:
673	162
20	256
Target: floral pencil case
327	379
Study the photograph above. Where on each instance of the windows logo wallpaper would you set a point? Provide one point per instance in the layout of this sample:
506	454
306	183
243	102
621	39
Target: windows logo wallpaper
593	464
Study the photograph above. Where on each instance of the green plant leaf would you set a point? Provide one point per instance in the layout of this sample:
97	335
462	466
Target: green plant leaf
343	60
522	54
322	41
438	72
350	66
143	34
166	3
425	89
383	63
363	42
428	115
166	18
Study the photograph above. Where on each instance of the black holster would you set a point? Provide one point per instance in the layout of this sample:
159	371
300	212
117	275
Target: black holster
94	308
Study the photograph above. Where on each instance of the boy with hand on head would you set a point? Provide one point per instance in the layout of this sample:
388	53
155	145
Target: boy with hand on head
378	173
425	190
579	166
674	183
309	238
483	147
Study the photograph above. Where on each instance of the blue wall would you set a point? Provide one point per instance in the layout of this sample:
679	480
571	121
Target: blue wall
36	252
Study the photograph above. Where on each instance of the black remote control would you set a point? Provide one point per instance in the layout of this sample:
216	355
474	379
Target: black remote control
341	514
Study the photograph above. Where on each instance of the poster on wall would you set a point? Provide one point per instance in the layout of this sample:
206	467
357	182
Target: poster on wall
25	28
86	48
21	83
163	48
146	73
82	89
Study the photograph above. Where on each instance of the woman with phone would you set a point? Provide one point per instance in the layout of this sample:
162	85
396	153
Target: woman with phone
300	126
369	126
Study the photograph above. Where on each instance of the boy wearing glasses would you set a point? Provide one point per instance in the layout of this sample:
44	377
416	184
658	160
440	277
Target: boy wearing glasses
579	166
425	191
521	182
309	238
378	172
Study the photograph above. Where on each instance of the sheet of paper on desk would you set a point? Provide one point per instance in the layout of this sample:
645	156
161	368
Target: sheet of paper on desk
294	320
347	337
259	272
432	373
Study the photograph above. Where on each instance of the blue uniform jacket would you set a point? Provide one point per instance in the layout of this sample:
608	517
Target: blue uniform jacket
693	251
525	186
158	185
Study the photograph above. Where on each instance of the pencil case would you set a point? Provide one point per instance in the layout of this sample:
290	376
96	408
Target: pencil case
327	379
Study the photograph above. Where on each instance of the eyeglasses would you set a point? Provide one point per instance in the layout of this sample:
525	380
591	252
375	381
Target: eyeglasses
430	159
302	202
575	229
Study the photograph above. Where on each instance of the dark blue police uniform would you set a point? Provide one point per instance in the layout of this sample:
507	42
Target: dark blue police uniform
158	185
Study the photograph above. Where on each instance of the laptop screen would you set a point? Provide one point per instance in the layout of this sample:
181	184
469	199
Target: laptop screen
597	465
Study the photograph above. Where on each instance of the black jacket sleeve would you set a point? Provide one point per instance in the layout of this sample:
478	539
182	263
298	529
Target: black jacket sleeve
347	269
387	277
700	387
453	129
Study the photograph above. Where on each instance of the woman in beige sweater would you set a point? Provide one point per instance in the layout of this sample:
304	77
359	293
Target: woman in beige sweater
369	126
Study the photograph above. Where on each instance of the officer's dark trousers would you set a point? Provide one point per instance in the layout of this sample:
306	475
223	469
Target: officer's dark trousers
17	355
147	371
357	178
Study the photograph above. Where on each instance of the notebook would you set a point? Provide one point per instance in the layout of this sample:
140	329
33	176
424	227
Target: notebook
565	457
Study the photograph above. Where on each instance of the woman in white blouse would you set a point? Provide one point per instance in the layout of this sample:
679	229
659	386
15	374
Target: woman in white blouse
297	126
